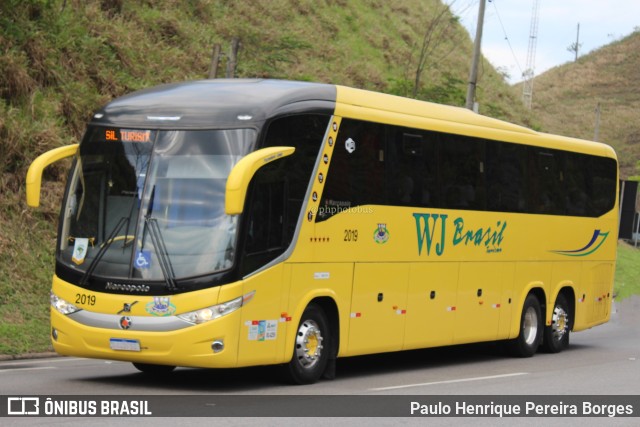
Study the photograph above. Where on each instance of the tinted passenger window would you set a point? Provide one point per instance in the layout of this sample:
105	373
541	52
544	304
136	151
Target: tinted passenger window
412	168
357	174
383	164
462	172
506	172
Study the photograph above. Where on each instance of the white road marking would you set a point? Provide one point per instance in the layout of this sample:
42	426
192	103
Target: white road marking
461	380
37	368
40	361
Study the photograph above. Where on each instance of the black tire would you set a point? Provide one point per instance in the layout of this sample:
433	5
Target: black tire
531	325
556	336
150	369
311	349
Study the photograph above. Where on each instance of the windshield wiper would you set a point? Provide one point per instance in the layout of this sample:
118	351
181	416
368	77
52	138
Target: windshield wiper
103	250
151	224
161	250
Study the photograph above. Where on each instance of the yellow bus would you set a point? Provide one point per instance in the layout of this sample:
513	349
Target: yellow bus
232	223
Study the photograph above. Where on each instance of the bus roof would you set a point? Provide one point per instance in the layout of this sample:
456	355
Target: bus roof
234	103
220	103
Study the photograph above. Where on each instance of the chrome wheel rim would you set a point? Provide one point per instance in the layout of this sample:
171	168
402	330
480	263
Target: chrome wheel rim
530	326
309	344
559	323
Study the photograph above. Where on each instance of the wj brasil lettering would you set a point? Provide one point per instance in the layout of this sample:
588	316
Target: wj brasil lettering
431	230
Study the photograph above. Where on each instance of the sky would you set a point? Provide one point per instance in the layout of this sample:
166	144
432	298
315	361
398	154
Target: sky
507	27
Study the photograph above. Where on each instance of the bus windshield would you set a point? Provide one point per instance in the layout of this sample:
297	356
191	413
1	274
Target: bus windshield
147	204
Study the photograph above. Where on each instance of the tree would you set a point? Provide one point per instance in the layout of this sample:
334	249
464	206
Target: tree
575	47
440	27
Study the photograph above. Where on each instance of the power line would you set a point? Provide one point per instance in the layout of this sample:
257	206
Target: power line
506	37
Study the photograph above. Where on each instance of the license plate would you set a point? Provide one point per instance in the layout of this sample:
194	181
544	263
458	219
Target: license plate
124	345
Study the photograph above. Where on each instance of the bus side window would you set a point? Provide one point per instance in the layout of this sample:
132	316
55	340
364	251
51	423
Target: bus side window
505	177
266	218
575	171
462	176
601	185
548	183
411	169
356	173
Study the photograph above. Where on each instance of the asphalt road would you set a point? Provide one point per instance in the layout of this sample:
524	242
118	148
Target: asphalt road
602	361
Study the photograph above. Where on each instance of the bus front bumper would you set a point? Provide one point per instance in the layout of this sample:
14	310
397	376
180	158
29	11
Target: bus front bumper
213	344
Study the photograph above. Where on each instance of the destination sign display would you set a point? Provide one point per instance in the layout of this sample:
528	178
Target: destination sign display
127	135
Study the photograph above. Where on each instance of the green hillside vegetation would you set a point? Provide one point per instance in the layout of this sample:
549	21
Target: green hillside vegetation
62	59
565	99
627	271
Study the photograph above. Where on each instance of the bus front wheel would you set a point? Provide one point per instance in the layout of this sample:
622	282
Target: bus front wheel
528	341
311	349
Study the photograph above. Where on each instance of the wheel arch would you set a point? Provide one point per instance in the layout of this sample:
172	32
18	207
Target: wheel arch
327	302
330	308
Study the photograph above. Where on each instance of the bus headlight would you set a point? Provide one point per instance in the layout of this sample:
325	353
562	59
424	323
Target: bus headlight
215	311
61	305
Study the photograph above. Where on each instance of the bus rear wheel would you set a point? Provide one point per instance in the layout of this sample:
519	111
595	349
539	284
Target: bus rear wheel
556	336
528	341
151	369
311	349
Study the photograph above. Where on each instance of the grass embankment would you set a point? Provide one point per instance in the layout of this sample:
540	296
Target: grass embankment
25	276
627	272
566	98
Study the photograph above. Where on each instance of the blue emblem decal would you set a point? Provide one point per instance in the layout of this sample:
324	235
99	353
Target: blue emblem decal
143	259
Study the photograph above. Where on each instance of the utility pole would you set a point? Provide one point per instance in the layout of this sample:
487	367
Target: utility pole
473	74
529	73
596	133
575	47
577	42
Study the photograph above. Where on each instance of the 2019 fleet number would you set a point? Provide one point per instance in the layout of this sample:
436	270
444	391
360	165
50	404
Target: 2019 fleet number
85	299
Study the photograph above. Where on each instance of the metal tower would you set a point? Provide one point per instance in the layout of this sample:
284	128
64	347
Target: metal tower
528	74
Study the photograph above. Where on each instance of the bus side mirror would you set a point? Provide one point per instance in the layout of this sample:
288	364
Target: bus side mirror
34	175
243	171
